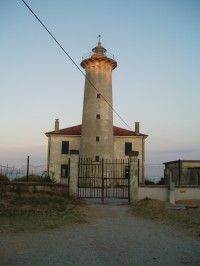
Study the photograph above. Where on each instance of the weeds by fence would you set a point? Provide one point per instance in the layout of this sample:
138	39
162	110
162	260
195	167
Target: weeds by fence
13	172
153	172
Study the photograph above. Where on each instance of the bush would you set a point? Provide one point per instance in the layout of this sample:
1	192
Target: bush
149	182
161	181
47	178
33	178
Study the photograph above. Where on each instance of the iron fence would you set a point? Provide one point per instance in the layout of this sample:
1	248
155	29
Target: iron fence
103	179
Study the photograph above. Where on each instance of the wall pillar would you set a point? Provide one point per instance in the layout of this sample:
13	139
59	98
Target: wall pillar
73	180
171	189
133	175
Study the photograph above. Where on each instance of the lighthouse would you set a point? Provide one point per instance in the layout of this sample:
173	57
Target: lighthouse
96	138
97	117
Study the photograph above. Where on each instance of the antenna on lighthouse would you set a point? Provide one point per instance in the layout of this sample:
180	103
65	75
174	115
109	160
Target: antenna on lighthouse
99	39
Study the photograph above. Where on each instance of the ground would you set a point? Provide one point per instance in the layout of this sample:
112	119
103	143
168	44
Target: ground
36	212
93	234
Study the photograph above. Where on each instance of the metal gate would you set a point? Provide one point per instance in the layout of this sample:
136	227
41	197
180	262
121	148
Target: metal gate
103	179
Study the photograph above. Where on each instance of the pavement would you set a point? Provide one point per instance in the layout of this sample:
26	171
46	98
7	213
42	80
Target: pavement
115	237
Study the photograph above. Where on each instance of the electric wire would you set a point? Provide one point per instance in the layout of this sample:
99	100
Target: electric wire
93	86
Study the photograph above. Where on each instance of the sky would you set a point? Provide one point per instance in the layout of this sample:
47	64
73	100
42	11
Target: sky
156	44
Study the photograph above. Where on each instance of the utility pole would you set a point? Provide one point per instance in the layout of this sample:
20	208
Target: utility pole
27	172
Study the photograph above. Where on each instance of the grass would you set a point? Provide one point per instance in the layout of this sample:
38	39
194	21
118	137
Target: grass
33	178
37	211
186	220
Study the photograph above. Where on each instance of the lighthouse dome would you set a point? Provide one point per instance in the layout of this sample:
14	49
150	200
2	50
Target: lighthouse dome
99	49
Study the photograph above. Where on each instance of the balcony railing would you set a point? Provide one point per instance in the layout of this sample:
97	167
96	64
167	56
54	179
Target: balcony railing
89	55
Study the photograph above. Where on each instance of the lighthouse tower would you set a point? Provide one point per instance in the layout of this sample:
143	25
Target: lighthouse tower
97	121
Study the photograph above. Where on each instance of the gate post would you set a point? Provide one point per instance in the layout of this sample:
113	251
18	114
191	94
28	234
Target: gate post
133	176
73	180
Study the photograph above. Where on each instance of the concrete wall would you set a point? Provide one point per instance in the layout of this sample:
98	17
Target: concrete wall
18	187
153	192
162	192
187	192
73	181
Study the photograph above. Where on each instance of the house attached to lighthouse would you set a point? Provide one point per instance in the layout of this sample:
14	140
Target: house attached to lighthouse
96	137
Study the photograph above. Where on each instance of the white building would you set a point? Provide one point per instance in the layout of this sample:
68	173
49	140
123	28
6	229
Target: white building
62	141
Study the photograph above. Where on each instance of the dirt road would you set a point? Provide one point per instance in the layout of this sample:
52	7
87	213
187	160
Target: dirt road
114	237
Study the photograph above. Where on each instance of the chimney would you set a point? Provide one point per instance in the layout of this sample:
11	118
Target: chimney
137	128
57	125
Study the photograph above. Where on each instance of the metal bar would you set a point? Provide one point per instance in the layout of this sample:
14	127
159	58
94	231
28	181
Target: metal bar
104	179
27	169
102	188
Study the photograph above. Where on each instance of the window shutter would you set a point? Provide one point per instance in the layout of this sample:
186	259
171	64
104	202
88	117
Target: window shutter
128	147
65	147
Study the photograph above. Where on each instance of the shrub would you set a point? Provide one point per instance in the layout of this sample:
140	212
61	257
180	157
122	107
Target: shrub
47	178
161	181
33	178
149	182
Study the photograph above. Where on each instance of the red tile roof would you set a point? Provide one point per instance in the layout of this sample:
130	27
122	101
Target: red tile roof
76	131
118	131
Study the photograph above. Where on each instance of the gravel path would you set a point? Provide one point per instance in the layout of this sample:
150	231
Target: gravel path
115	238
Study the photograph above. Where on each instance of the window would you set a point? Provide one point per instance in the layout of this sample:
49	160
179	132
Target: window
65	147
98	95
128	147
97	138
64	170
97	158
98	116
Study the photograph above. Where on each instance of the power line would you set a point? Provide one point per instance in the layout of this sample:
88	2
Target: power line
75	64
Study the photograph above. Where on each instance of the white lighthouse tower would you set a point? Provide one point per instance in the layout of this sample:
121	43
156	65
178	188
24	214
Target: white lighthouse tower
97	120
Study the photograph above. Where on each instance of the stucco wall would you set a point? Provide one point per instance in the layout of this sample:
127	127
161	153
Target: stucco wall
162	192
99	70
137	145
182	193
153	192
56	158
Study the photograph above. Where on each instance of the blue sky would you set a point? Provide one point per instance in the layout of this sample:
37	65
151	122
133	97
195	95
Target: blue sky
157	82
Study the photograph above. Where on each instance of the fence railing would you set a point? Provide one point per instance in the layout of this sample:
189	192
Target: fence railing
13	172
89	54
154	172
